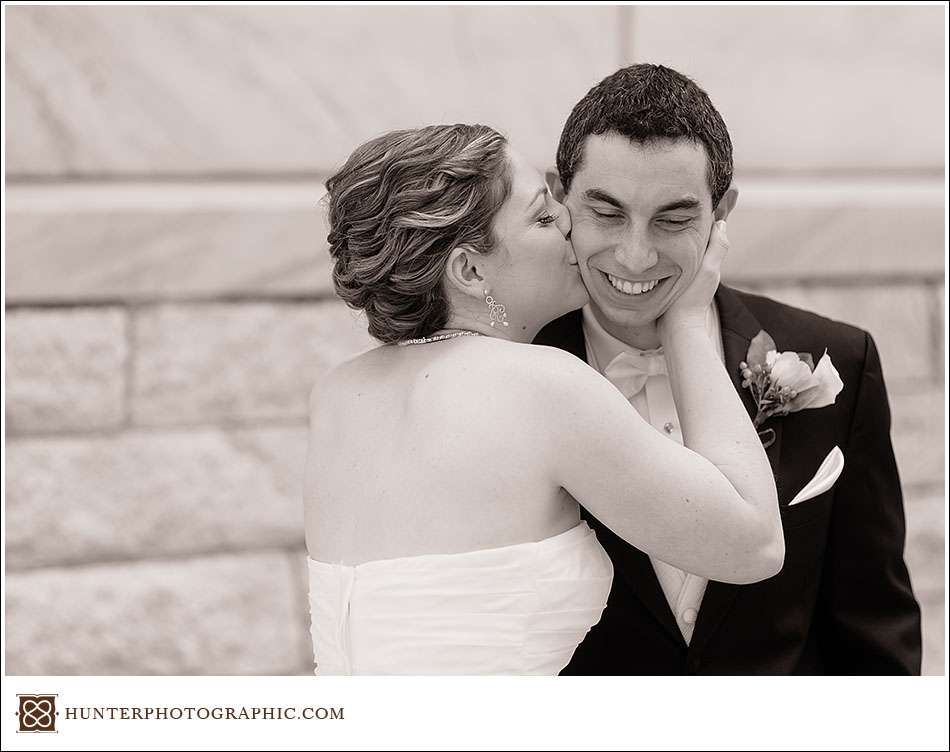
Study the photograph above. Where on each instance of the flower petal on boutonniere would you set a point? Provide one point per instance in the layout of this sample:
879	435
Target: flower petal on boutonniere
790	372
759	348
828	386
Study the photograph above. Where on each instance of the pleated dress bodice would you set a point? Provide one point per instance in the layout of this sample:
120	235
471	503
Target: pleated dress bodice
517	610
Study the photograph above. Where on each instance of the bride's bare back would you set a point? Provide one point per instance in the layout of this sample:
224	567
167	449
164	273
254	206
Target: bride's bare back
430	448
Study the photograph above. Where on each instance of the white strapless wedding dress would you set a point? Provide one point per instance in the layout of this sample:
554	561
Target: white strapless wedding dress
520	609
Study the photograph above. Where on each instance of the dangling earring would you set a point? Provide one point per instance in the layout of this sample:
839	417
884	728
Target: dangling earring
496	311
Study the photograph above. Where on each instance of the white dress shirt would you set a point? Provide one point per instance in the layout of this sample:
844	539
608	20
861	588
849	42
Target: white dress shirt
684	591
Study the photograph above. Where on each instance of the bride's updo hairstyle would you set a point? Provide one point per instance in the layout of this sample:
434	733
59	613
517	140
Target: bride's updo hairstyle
397	209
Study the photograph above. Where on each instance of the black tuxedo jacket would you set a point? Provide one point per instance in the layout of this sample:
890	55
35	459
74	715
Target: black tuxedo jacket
842	603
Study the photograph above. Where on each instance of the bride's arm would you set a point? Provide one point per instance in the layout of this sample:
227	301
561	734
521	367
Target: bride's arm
710	507
714	422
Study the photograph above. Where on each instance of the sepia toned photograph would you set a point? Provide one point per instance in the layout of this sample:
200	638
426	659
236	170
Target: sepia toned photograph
434	340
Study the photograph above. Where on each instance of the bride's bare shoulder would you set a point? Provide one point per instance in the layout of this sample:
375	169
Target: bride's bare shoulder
540	369
542	359
340	379
473	367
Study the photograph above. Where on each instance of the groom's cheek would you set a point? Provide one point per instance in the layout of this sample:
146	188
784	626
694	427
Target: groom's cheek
689	249
583	241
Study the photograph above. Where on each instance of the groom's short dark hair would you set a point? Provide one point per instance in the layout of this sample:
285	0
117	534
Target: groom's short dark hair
647	103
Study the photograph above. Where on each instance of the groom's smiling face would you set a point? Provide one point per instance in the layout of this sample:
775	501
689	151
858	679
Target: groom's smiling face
641	217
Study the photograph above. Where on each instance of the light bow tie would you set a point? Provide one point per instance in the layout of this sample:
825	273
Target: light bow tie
629	371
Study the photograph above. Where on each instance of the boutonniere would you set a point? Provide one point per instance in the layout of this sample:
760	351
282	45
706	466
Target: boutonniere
783	383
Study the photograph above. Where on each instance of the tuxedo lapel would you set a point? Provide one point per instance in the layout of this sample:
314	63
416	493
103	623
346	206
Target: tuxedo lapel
639	573
566	333
738	327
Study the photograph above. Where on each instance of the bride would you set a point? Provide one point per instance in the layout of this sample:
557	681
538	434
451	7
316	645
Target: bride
446	466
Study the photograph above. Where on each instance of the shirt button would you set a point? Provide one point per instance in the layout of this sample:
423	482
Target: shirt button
668	427
689	616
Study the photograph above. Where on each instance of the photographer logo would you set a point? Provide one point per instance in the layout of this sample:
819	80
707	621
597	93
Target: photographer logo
37	713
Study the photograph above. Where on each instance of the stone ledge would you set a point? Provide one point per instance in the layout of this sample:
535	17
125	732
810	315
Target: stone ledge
244	362
65	369
926	540
925	554
917	421
836	242
226	615
138	242
145	242
143	494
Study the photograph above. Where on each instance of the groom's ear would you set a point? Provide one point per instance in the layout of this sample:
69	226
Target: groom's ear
553	181
726	204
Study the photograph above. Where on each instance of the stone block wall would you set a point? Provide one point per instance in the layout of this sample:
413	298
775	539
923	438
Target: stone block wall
168	306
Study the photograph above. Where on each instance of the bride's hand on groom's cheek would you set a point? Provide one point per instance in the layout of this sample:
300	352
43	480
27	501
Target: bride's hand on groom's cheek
690	308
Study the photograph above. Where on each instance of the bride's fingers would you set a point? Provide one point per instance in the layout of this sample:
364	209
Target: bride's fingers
718	246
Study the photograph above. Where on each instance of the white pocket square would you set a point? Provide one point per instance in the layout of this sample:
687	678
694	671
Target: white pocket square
824	479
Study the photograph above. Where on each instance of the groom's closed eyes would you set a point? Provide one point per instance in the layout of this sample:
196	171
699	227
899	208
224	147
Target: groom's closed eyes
673	214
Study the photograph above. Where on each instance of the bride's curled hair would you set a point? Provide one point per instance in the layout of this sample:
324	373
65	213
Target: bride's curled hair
397	209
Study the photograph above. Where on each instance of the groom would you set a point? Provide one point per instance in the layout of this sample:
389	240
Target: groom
645	162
